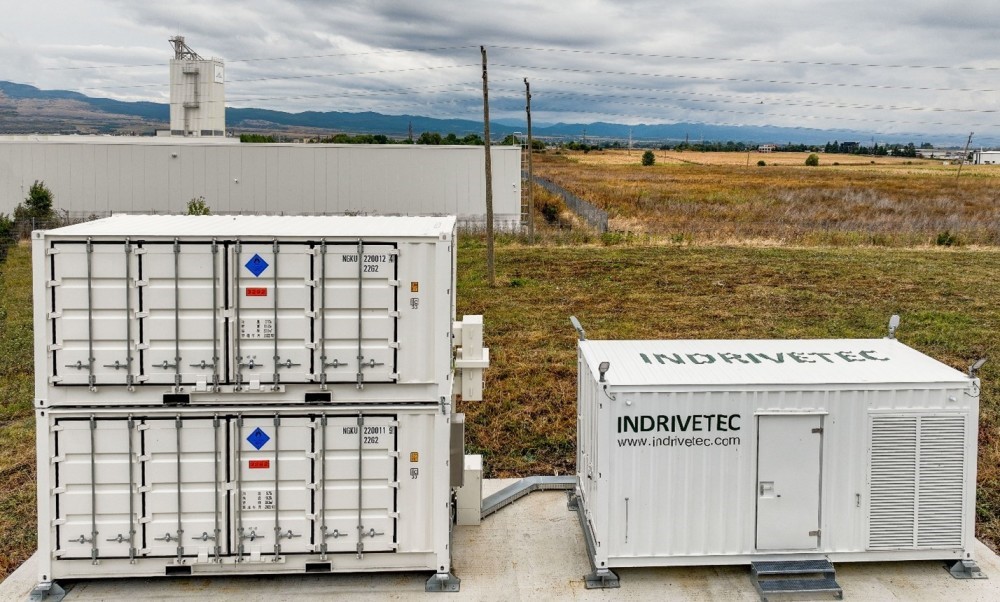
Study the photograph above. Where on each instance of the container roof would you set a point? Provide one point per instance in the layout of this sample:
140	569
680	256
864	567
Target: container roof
268	226
764	362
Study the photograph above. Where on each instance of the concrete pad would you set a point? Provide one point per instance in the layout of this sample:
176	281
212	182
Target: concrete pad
532	550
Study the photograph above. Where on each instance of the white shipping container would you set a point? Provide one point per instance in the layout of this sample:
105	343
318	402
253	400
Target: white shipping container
726	452
249	394
265	490
210	309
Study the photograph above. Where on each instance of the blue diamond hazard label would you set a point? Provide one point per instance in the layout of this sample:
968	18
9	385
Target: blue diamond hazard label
256	265
258	438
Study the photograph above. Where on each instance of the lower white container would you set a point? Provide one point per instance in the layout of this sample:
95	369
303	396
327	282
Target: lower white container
267	489
724	452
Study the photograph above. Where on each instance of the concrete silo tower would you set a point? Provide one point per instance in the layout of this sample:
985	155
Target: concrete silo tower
197	93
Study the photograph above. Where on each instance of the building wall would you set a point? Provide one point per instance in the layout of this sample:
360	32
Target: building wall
986	157
160	175
197	98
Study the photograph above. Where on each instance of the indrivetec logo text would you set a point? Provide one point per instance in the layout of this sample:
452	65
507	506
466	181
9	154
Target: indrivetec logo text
789	357
677	423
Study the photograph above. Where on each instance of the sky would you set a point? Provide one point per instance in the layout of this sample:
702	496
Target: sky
894	69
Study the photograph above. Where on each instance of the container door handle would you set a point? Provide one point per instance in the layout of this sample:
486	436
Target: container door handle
766	489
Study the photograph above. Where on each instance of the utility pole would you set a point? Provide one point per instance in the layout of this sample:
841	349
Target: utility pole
531	171
409	131
965	154
490	270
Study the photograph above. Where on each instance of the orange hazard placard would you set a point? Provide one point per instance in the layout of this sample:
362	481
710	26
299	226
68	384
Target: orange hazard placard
256	291
260	464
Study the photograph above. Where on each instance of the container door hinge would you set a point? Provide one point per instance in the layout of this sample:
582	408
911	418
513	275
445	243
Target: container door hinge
815	533
818	430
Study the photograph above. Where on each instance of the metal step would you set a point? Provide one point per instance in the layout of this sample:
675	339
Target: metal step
799	586
821	566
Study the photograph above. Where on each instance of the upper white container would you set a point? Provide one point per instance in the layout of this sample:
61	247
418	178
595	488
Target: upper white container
152	309
722	452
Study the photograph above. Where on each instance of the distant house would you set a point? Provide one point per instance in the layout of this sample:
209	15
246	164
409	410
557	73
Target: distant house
766	148
985	157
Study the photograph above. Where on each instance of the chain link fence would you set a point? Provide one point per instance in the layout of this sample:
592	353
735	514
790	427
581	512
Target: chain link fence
596	217
14	230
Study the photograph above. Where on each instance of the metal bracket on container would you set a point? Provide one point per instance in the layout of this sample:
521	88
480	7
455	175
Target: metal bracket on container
966	569
47	590
203	365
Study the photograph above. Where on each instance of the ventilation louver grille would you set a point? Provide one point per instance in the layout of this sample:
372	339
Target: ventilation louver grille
917	482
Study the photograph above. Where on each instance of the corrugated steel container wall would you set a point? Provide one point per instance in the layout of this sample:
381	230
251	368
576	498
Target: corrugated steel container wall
151	175
131	308
663	494
149	492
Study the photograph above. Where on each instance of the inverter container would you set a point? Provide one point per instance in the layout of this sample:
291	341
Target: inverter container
726	452
237	395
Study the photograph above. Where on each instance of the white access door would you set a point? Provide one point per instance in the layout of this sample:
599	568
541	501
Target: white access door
96	505
179	313
788	481
357	312
92	305
181	466
273	468
273	309
356	495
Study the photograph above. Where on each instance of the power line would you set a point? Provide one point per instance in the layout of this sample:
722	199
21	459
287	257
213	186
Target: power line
262	59
771	99
748	60
745	80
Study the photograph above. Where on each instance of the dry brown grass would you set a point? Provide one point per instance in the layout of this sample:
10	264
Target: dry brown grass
891	203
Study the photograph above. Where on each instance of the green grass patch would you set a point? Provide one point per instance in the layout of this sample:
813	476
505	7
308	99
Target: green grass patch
17	424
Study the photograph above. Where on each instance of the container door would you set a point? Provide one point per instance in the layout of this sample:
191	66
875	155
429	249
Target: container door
179	313
356	496
788	482
182	520
273	493
273	330
357	313
93	299
95	489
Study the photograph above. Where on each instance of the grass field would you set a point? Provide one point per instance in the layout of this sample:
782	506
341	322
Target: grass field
711	198
648	286
17	435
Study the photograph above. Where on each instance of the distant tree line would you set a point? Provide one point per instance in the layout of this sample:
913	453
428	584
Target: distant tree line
876	149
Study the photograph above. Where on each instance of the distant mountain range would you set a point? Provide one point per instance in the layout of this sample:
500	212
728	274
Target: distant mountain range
26	109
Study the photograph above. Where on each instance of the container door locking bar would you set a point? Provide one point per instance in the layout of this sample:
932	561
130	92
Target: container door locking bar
361	526
361	356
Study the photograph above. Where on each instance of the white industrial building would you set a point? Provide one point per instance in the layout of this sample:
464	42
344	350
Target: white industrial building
197	93
986	157
112	174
